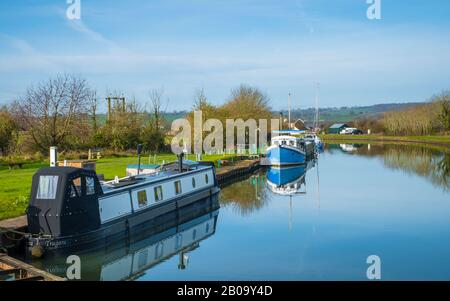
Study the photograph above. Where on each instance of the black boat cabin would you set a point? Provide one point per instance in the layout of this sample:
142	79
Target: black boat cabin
64	201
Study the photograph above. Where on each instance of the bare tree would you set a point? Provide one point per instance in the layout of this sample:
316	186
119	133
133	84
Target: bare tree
153	133
49	111
155	106
93	102
200	100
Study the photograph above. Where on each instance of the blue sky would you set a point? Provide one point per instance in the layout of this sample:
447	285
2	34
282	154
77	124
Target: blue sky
277	46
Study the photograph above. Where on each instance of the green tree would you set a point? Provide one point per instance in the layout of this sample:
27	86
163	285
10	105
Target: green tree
8	129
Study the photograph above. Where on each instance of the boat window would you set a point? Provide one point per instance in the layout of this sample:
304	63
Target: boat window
177	187
206	178
90	186
193	182
283	142
47	187
143	258
292	143
179	241
159	250
142	198
77	185
158	193
73	191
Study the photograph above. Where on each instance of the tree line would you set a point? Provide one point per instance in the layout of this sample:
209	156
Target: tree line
63	112
430	118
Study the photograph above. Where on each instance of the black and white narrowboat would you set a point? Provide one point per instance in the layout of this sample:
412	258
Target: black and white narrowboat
70	208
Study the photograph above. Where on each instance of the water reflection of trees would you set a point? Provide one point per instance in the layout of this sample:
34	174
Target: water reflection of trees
421	161
246	196
429	163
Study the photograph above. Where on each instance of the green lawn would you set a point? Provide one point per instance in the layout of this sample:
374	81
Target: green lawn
15	184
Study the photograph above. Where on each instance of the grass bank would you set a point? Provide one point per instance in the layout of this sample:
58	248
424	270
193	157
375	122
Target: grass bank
15	184
432	140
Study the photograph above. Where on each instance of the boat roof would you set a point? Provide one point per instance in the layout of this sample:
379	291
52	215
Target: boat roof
64	171
292	132
164	171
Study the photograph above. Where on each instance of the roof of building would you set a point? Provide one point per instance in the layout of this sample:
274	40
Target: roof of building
338	125
288	132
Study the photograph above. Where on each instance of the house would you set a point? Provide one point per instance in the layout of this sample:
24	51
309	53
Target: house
337	128
299	125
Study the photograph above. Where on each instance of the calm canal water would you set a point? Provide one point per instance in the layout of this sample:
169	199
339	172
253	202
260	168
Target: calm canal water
315	223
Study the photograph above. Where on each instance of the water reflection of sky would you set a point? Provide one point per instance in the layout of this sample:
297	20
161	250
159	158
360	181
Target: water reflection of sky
365	208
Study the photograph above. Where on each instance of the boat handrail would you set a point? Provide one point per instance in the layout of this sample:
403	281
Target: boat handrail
117	180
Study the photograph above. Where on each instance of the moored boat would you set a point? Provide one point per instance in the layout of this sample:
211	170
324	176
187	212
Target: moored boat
317	141
289	149
70	208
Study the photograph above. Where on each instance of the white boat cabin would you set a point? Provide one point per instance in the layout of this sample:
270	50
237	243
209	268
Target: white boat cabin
121	198
286	140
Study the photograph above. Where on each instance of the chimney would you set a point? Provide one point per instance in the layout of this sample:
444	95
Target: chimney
53	156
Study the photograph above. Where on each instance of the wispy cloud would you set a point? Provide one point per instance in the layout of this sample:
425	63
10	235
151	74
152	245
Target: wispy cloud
81	27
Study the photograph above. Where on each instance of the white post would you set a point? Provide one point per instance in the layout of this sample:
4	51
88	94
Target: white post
53	156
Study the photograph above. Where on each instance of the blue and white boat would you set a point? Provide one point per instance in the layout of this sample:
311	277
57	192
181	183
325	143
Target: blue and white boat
288	149
286	180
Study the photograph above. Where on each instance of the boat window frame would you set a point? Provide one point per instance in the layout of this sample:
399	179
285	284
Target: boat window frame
90	191
48	196
73	189
139	199
155	193
80	192
178	187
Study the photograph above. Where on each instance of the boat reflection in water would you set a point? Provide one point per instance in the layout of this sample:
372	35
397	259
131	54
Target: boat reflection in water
128	261
288	180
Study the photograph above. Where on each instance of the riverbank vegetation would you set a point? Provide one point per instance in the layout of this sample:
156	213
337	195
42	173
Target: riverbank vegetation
425	119
440	140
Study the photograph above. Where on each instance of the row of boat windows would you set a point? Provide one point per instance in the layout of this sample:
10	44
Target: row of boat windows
284	142
158	192
80	186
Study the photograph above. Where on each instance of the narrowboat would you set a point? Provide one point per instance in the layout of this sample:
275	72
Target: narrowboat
71	208
288	149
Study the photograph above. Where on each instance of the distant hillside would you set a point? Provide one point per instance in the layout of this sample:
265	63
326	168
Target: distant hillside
168	116
346	114
342	114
